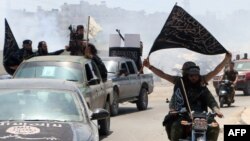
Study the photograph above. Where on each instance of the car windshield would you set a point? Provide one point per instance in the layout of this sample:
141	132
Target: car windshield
39	104
56	70
111	66
242	66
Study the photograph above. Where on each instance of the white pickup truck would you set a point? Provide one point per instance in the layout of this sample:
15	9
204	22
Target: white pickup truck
84	72
128	83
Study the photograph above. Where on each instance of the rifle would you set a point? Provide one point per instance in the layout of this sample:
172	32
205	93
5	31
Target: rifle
117	30
75	37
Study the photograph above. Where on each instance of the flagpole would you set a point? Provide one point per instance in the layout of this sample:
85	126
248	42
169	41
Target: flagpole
185	94
87	42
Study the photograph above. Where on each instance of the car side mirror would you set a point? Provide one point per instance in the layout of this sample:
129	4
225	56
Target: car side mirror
99	114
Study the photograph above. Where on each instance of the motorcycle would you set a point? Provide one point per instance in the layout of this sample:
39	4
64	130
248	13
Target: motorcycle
196	129
225	93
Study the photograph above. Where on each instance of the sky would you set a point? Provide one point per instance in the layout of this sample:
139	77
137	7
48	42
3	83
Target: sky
222	8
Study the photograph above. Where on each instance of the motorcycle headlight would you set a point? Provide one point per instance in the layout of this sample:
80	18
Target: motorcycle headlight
200	124
223	92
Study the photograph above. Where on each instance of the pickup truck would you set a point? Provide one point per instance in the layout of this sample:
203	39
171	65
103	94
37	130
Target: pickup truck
84	72
243	82
128	84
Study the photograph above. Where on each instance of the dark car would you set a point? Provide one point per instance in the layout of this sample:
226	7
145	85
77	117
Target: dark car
42	109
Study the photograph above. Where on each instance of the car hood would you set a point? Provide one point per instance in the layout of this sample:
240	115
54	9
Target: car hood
44	131
243	72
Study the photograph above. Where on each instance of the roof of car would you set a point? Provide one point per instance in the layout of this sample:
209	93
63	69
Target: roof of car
38	83
115	58
61	58
242	60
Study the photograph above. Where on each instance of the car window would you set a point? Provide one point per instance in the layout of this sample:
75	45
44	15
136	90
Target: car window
111	66
92	71
124	66
56	70
88	72
242	65
130	67
39	104
95	70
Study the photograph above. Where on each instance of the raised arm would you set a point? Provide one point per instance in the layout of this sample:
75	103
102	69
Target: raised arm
158	72
218	68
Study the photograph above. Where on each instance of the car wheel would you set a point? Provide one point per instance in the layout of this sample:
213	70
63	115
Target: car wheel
104	124
115	104
217	91
221	102
247	89
142	102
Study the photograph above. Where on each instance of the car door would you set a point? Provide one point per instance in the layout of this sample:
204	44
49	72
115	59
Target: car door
134	79
94	87
102	94
123	80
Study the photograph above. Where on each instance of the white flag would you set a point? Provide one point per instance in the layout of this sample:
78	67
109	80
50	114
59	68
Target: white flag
94	27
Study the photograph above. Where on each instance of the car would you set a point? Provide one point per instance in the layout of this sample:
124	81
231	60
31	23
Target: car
128	84
84	72
243	82
46	109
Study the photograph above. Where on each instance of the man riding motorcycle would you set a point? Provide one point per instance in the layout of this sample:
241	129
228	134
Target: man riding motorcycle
232	75
197	97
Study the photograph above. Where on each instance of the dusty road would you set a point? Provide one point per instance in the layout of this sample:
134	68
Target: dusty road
132	125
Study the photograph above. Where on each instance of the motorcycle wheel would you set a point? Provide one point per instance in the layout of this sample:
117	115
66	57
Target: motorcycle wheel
221	102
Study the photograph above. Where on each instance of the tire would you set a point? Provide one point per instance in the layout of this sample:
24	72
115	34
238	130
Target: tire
114	108
221	101
247	89
104	124
217	91
142	102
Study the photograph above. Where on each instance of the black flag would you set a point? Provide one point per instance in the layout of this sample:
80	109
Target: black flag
129	52
181	30
10	47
